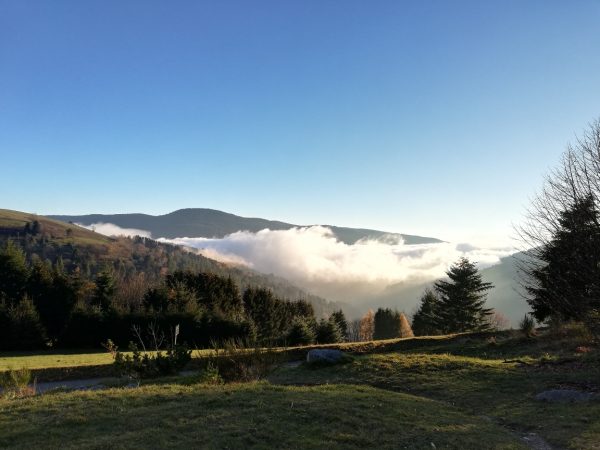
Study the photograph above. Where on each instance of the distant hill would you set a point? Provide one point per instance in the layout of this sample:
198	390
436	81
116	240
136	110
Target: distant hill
210	223
89	252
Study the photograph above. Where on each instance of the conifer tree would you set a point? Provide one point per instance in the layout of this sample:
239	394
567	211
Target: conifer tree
426	321
462	299
387	324
301	332
340	319
567	282
328	332
105	289
14	272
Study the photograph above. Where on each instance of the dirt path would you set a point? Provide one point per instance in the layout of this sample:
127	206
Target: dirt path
75	385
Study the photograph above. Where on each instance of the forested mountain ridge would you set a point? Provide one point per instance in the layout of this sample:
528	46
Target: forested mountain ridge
210	223
87	252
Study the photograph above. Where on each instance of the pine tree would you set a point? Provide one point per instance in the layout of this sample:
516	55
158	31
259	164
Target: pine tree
426	321
26	331
387	324
301	332
105	289
340	319
462	299
328	332
14	272
567	282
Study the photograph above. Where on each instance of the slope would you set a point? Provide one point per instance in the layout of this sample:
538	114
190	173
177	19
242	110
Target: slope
89	252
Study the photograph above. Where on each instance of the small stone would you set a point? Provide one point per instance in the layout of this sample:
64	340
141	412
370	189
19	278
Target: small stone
324	355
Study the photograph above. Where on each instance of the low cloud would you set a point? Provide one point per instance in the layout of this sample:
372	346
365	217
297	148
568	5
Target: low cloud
110	229
313	258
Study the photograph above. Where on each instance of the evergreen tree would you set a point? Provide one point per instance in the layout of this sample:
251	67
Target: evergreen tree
462	299
301	332
340	319
328	332
25	331
567	282
387	324
426	321
105	290
14	272
267	312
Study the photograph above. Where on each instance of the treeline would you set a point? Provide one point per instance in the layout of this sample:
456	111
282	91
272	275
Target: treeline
43	304
136	260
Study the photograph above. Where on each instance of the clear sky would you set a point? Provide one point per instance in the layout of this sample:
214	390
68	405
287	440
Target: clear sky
427	117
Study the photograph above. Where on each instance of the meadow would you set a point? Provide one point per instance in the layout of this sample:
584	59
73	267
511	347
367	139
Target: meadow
460	391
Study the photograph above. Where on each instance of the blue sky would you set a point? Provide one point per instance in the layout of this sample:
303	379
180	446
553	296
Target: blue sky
425	117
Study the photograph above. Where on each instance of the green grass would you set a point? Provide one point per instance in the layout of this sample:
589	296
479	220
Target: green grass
455	391
242	416
53	359
482	386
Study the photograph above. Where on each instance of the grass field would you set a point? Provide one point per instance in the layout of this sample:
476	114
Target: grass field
53	359
462	392
242	416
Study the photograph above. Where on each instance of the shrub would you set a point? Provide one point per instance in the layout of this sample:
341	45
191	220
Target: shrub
210	375
149	364
15	383
238	361
140	364
527	325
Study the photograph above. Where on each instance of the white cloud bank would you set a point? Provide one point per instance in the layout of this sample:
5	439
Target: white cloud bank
313	258
110	229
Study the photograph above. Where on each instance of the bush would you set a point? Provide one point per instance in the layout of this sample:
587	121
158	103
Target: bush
238	361
149	364
527	325
140	364
210	375
15	383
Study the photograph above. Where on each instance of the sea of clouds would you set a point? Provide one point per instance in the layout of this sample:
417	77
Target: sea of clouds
313	258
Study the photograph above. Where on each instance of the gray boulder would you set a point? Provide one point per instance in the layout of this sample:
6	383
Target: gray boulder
564	396
325	356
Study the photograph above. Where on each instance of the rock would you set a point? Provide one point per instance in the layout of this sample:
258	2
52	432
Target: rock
325	356
564	396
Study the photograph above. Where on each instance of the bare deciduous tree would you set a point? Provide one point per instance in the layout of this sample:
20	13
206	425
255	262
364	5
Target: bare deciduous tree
575	182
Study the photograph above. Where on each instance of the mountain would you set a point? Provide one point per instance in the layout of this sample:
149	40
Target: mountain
210	223
88	252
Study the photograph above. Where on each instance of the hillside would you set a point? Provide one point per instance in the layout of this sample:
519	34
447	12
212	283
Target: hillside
210	223
89	252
